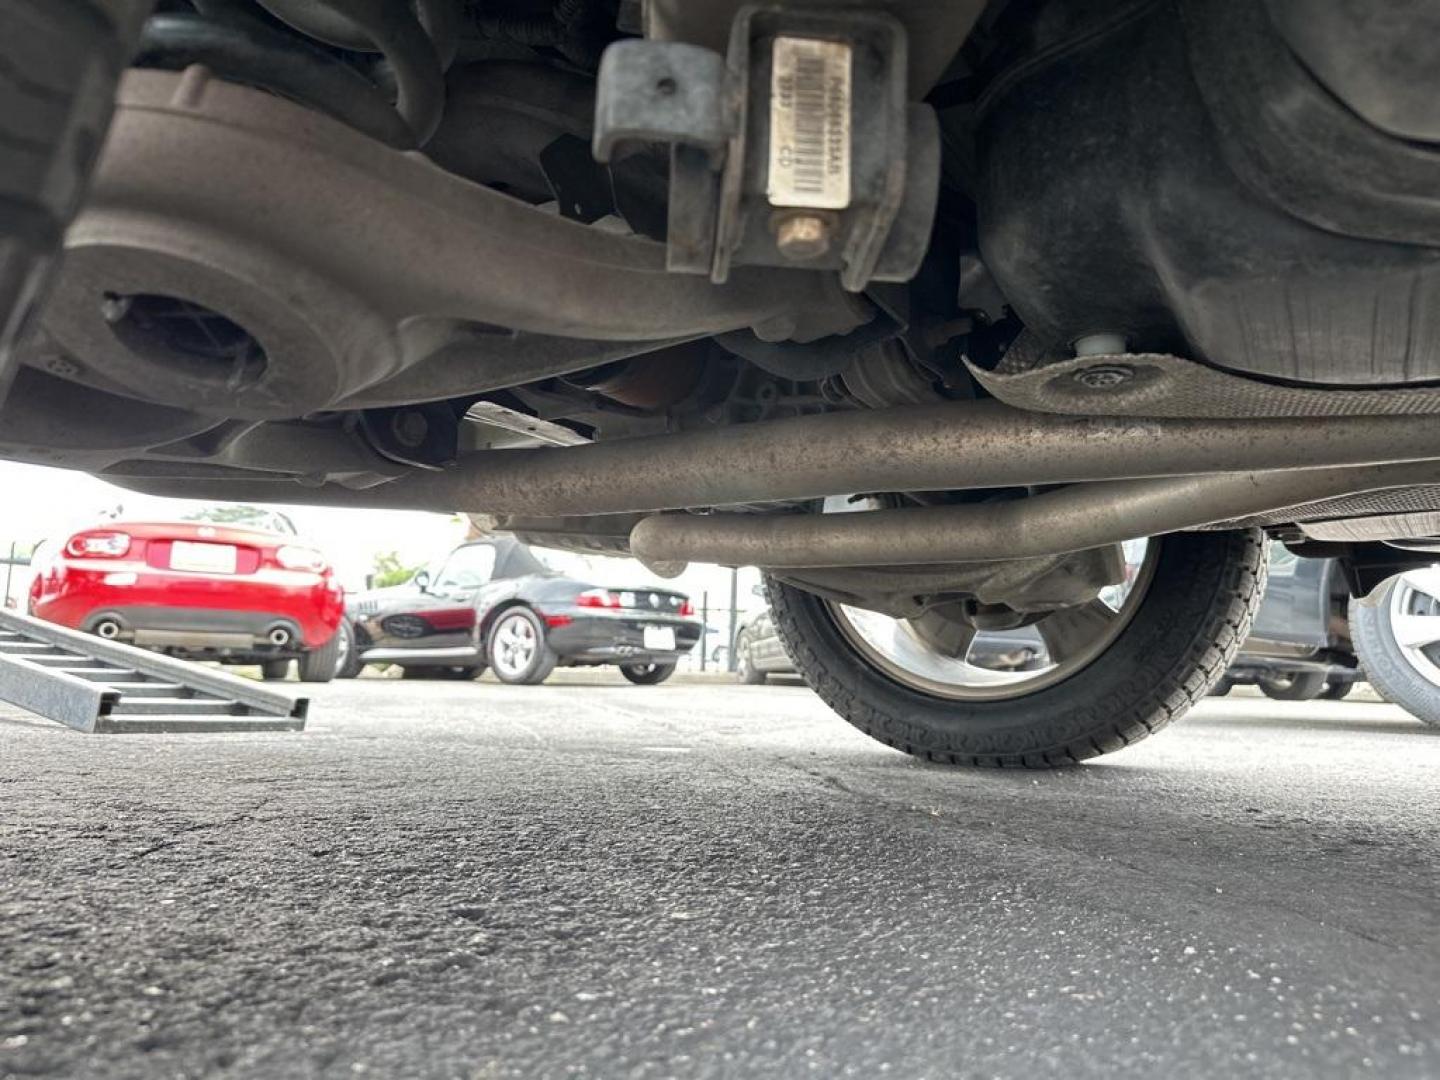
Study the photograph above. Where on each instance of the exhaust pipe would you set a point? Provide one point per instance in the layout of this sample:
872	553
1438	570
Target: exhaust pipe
279	637
108	629
1053	523
958	445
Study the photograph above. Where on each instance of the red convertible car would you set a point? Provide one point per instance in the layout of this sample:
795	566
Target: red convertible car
199	591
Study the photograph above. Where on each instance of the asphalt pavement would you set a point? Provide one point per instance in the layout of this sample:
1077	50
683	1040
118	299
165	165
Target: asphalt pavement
590	879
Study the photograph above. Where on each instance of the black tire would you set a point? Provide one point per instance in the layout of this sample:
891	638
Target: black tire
1223	687
352	665
1294	686
745	667
274	670
1334	691
320	665
1386	668
647	674
61	60
542	661
1178	643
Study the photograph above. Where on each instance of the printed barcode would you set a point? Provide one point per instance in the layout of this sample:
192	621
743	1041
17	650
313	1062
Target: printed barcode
808	162
809	124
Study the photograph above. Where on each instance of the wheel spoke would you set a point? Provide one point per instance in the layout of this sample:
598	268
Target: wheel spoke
1425	581
1070	631
1414	631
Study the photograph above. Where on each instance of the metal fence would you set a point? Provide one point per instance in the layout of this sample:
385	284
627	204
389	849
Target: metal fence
14	569
714	653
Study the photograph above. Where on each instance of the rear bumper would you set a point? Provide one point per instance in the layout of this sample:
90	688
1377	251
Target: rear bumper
618	639
198	628
173	611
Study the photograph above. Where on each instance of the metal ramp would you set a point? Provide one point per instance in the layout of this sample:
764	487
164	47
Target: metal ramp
99	686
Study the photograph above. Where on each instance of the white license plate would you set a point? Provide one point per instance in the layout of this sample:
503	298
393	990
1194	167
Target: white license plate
661	638
202	558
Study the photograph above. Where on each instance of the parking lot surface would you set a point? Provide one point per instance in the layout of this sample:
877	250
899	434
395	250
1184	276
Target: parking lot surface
591	879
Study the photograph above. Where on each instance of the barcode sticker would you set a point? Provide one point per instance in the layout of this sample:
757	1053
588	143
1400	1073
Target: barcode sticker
809	124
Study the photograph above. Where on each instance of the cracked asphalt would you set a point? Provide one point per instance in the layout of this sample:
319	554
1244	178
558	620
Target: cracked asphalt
590	879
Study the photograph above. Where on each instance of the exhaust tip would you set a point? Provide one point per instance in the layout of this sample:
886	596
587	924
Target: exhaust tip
279	637
108	629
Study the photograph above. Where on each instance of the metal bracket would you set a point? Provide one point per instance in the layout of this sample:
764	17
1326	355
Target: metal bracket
661	91
798	149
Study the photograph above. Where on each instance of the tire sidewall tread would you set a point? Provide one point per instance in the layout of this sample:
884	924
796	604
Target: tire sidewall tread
1386	668
1177	645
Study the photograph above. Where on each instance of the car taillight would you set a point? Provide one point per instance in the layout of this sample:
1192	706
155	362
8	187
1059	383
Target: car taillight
293	557
98	545
598	598
687	608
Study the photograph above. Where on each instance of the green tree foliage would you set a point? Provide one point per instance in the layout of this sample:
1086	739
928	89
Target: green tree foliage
390	570
248	517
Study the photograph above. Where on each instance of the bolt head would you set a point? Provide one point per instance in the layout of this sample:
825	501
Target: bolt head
802	236
1104	376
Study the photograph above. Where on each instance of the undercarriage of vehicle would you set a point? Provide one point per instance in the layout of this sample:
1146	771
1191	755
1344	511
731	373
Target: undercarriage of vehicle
926	309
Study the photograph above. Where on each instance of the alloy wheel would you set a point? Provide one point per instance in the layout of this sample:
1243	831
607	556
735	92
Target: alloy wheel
1414	614
952	660
515	645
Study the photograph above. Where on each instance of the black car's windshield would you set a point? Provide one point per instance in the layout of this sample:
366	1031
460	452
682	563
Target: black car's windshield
248	517
466	567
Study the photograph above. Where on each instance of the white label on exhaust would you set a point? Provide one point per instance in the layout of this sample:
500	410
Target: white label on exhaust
809	124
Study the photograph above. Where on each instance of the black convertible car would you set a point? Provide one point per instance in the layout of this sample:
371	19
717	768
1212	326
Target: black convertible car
493	603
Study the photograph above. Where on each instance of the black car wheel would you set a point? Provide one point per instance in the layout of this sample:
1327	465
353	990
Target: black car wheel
745	667
1135	669
274	670
647	674
1334	691
1293	686
320	665
348	664
518	651
1396	634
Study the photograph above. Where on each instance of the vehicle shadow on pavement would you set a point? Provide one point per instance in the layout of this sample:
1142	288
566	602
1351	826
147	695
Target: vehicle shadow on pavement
1101	770
1336	724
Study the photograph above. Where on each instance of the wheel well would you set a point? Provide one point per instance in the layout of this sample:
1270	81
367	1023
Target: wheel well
359	637
1364	565
495	613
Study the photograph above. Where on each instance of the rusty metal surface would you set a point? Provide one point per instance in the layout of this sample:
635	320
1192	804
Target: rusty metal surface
974	444
1074	518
